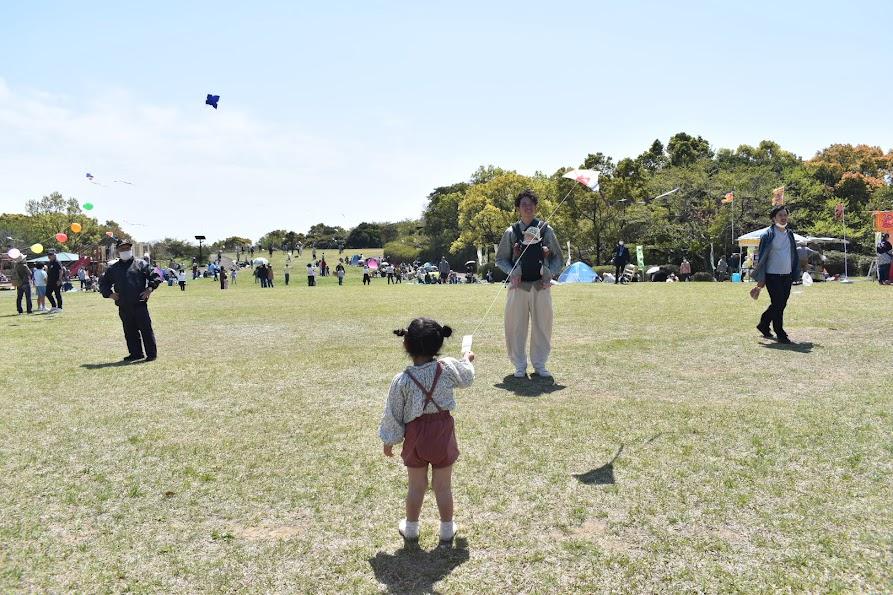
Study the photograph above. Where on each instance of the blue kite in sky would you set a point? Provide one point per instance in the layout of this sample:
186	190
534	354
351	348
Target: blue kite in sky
212	100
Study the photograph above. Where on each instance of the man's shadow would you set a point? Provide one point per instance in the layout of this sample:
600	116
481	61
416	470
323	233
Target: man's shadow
105	365
534	386
805	347
414	570
603	475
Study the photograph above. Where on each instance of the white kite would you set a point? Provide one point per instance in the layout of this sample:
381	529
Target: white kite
587	177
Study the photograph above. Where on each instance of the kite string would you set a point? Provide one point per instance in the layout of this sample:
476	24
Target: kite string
518	260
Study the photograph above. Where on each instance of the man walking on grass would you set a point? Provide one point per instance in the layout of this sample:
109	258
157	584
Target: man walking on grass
776	269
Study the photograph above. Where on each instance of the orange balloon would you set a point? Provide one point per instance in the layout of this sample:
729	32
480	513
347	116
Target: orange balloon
61	238
76	227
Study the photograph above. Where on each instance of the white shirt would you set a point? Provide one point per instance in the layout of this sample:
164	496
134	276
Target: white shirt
40	278
181	277
405	399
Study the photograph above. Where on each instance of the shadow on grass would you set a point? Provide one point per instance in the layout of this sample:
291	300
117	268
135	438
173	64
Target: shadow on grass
105	365
805	347
534	386
603	475
414	570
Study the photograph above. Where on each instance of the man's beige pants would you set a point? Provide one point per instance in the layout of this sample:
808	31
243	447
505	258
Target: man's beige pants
522	306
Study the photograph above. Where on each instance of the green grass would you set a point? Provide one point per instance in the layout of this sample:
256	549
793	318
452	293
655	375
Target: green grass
246	457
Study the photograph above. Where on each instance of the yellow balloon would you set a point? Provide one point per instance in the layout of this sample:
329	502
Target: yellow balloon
37	248
76	227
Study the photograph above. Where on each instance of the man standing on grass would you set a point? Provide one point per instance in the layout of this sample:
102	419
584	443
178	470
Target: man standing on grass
54	282
23	282
776	269
621	259
130	281
529	253
443	268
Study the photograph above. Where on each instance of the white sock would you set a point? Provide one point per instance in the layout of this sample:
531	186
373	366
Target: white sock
448	530
409	529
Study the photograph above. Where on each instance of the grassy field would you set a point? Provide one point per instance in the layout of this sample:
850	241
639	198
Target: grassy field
676	450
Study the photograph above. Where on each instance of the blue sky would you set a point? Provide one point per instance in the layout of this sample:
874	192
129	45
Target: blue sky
346	112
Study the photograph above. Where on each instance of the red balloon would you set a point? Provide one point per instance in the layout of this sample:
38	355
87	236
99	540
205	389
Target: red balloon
61	238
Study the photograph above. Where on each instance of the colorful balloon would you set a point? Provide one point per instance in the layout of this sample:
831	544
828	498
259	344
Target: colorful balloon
76	227
14	253
61	237
88	206
37	248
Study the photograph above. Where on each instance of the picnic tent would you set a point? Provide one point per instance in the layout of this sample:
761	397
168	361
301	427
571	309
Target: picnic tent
579	272
752	239
60	256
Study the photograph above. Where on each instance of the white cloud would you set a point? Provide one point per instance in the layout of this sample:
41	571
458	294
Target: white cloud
197	170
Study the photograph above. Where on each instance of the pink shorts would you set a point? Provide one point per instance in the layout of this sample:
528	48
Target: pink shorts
430	440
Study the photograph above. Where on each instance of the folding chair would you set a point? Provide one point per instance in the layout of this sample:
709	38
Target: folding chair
628	274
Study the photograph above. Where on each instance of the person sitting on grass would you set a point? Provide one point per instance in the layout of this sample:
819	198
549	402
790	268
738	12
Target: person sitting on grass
417	412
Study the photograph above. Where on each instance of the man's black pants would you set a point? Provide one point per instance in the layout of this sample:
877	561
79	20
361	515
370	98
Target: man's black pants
779	288
57	291
618	270
136	321
23	290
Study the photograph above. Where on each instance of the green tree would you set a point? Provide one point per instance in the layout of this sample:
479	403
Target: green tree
684	149
487	209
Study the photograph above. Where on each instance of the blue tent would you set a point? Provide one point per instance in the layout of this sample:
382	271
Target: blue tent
355	259
579	272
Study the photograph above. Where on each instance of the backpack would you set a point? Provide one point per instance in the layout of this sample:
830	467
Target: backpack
531	261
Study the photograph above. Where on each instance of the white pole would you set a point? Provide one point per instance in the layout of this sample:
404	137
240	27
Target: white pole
846	277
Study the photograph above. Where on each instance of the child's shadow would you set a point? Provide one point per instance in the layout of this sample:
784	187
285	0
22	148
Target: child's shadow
414	570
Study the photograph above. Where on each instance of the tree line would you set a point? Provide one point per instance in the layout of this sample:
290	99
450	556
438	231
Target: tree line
631	203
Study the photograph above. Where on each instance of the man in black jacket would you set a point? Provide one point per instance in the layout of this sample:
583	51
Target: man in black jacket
130	281
54	282
621	259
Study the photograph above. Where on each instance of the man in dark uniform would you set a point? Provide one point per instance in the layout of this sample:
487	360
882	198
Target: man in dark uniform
621	259
54	282
130	281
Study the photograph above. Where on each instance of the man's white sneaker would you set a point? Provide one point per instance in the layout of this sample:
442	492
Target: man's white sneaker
520	373
408	530
448	531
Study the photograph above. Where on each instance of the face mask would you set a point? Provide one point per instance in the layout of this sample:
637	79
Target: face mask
782	225
125	254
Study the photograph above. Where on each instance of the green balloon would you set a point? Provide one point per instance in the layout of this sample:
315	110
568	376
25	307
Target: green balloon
88	206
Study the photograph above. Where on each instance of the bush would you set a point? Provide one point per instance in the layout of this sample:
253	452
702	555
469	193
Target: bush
498	275
702	276
857	264
398	252
601	269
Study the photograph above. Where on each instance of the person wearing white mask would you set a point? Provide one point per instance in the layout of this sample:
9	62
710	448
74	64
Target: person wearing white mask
776	269
130	281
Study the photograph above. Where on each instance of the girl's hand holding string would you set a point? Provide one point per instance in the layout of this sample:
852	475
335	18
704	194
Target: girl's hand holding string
388	450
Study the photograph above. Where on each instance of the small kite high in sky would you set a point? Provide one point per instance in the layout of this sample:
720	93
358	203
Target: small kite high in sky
212	100
92	179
